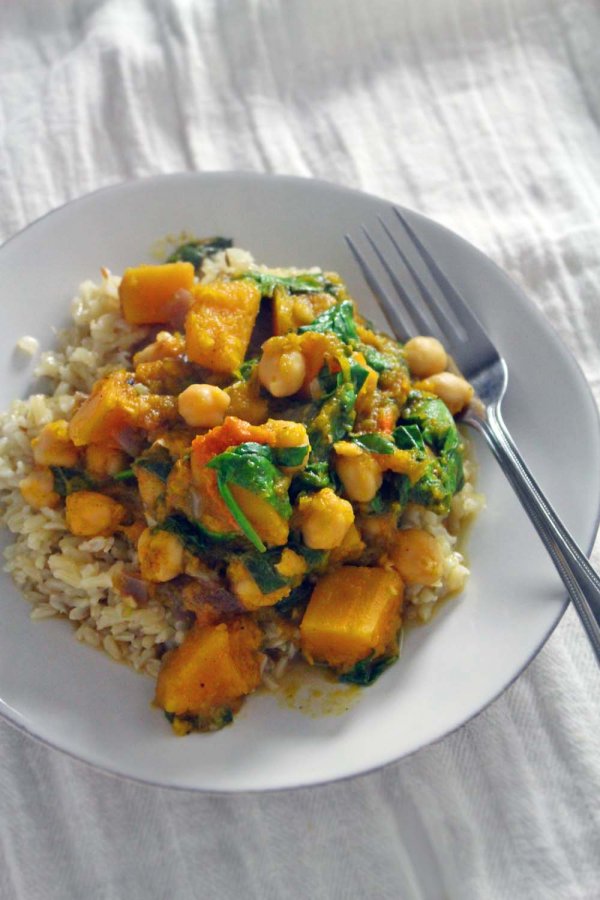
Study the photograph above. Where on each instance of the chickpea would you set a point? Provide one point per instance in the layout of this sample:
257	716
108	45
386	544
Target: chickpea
37	489
246	589
103	461
160	555
52	446
417	557
425	356
455	391
291	564
286	435
280	371
360	475
89	513
203	405
325	519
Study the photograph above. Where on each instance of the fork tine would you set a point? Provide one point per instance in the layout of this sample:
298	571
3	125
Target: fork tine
470	323
447	327
386	304
421	323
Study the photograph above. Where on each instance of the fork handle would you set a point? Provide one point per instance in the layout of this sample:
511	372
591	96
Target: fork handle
580	579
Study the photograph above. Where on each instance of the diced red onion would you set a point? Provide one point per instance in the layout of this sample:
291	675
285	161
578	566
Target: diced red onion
178	307
129	439
132	585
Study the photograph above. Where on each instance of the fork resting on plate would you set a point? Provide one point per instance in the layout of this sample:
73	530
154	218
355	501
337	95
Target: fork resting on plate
481	364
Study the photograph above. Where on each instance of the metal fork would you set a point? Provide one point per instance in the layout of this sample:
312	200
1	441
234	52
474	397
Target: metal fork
481	364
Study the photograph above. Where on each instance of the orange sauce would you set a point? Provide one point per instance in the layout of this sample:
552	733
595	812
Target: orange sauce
315	692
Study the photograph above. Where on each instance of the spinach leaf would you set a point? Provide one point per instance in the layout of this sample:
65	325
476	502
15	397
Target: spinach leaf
378	505
452	465
251	466
262	568
402	489
368	670
68	481
408	437
197	251
328	382
392	496
124	475
431	415
358	376
157	460
338	319
315	559
430	491
333	421
303	283
351	373
373	443
198	540
376	360
296	601
288	457
451	441
314	477
427	420
442	478
246	369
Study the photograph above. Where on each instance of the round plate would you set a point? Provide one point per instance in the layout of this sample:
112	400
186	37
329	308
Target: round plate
83	703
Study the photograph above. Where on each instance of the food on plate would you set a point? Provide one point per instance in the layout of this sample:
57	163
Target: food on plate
232	468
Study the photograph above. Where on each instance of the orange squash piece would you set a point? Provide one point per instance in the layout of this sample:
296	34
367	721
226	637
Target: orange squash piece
353	612
215	666
115	404
219	324
145	291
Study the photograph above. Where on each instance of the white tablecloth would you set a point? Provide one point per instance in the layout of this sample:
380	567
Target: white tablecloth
482	114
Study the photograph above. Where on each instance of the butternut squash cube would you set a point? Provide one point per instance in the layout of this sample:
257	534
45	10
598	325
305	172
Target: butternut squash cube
114	404
215	666
353	612
219	325
110	407
145	291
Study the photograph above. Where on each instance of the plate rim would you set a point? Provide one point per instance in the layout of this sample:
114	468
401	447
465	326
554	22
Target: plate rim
541	320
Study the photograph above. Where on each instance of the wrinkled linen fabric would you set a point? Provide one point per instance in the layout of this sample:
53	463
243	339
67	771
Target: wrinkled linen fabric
482	114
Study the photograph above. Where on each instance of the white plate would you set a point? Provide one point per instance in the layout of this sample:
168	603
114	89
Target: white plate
83	703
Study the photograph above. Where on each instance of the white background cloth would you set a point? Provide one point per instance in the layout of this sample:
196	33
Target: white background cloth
482	114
